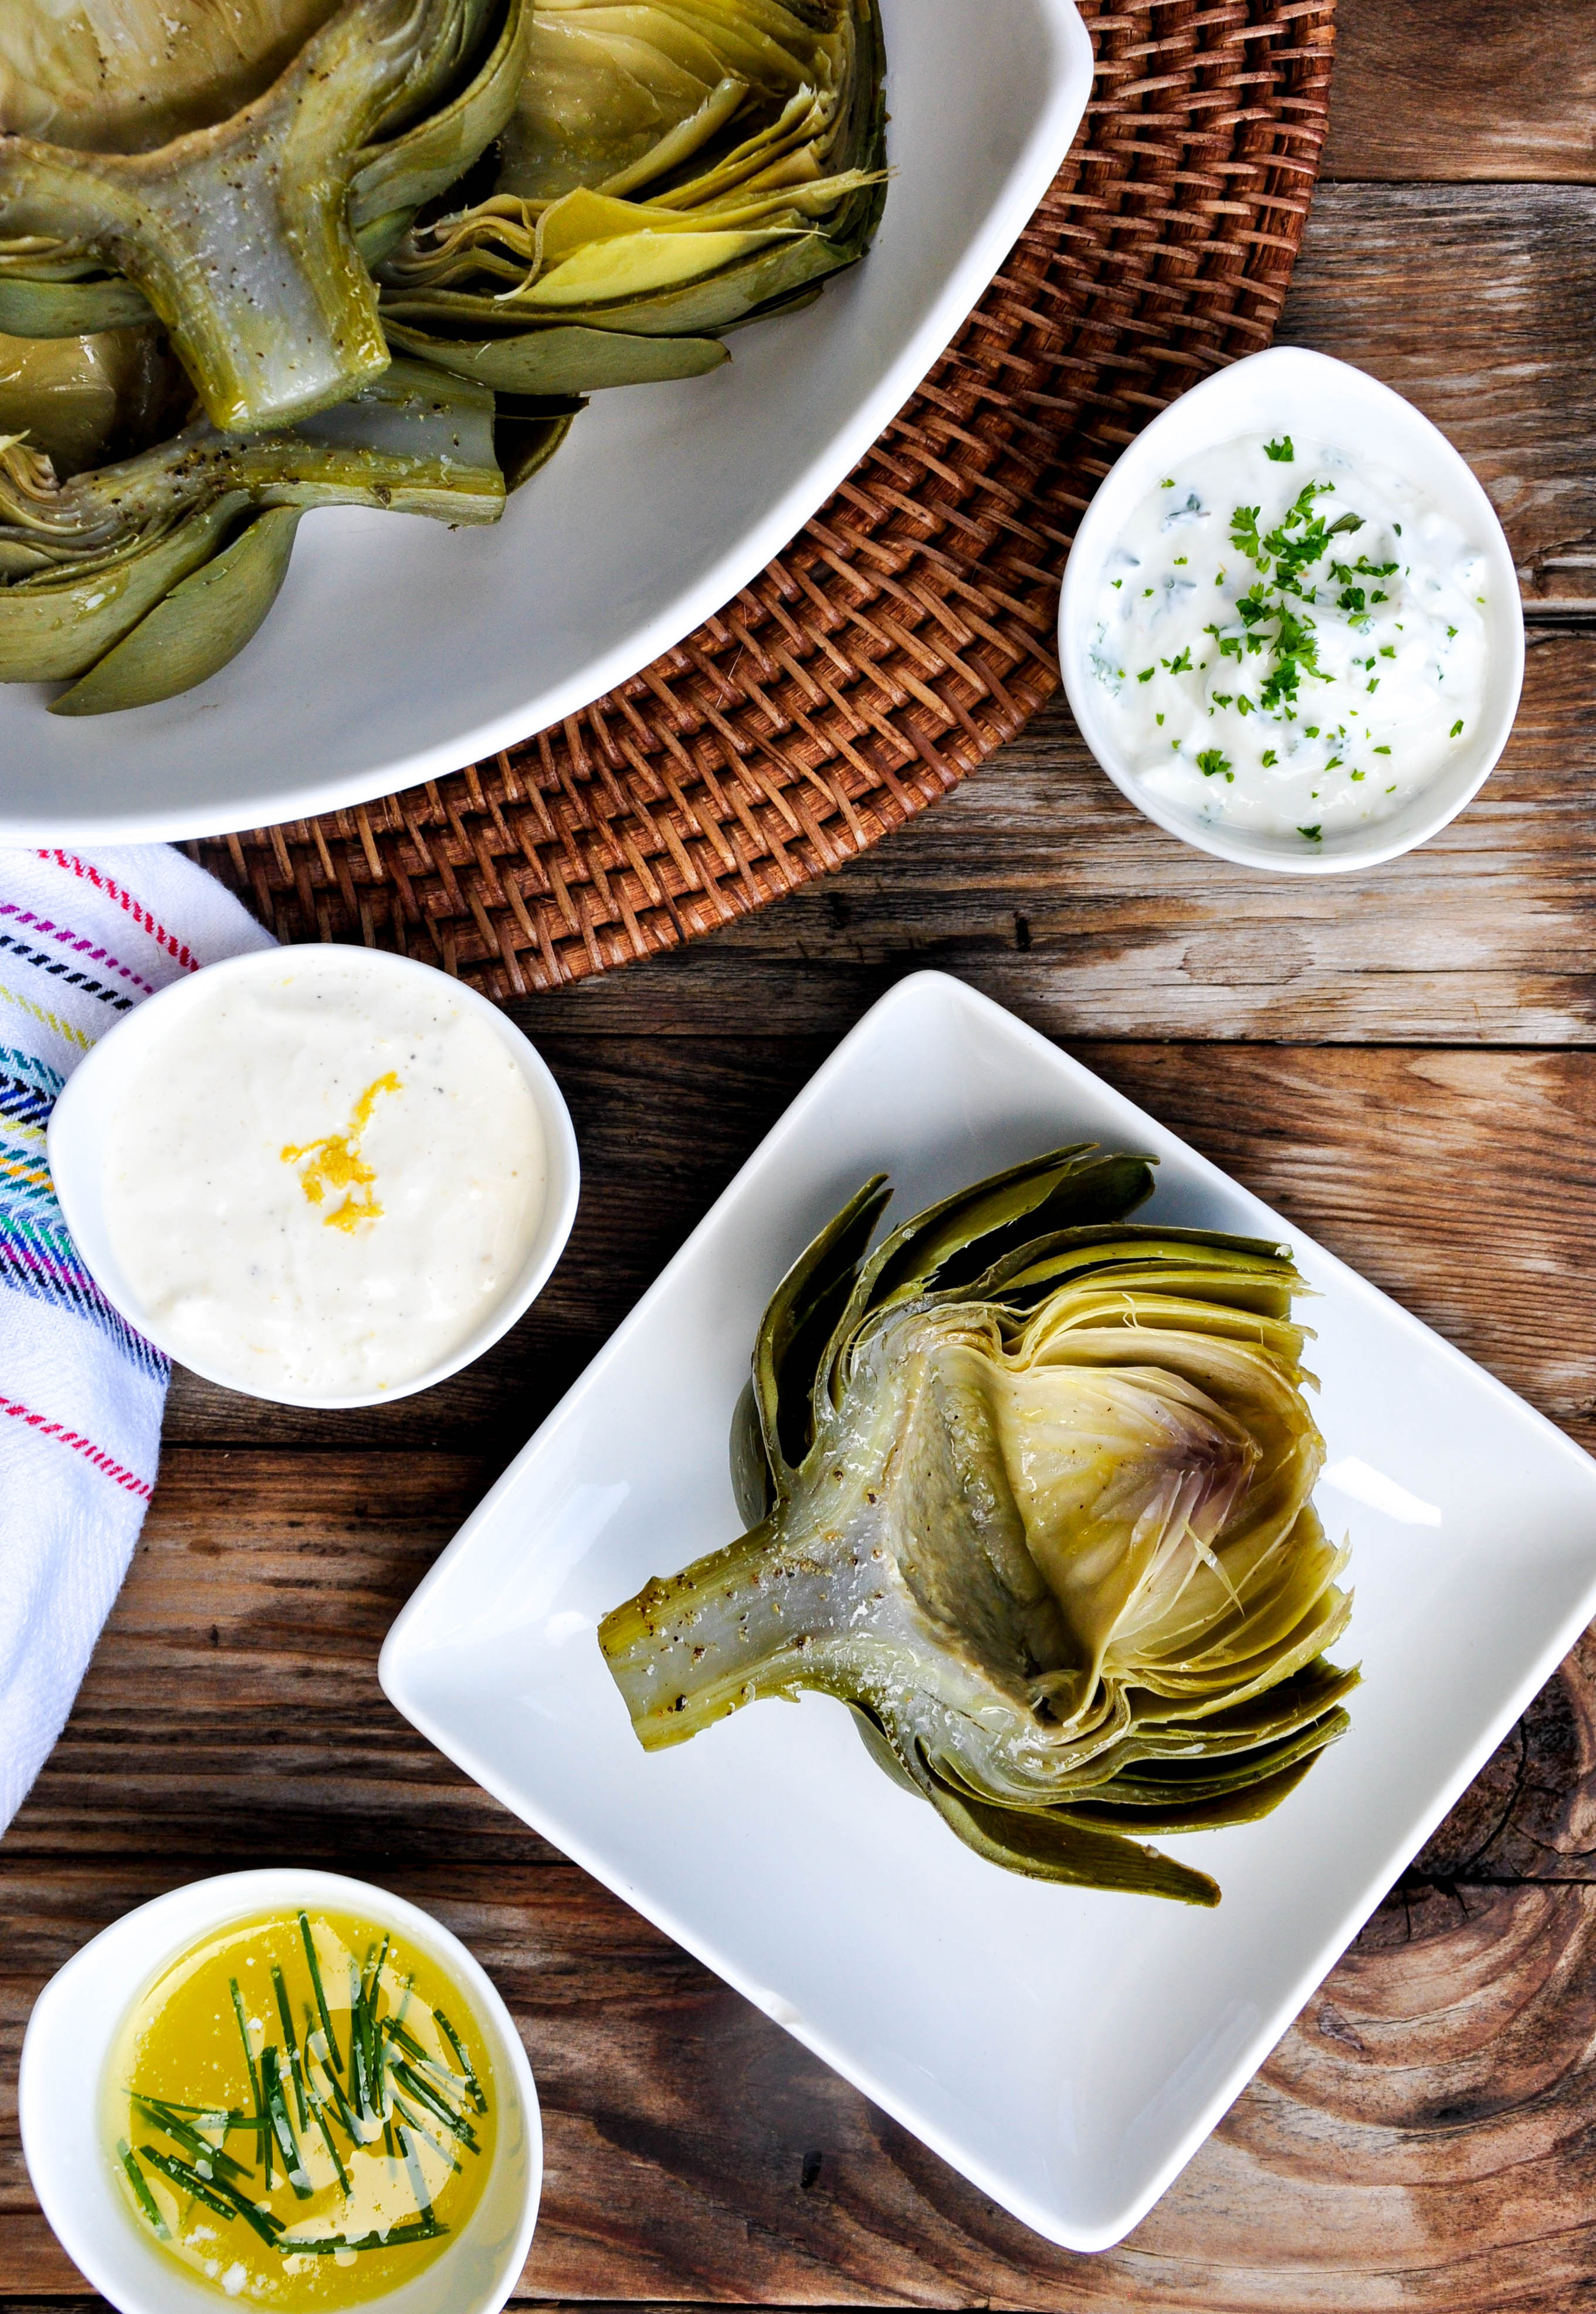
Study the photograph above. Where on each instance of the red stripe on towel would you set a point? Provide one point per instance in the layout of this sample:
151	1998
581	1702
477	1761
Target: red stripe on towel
90	874
85	1446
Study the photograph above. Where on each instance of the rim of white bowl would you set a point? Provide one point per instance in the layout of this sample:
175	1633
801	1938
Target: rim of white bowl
79	1200
134	1949
1333	382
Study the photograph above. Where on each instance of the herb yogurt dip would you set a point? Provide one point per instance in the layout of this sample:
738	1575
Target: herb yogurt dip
1290	640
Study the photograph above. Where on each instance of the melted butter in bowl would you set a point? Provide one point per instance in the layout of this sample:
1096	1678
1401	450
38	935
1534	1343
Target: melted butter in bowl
322	1175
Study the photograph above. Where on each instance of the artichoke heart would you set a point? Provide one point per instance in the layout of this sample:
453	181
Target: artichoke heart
672	168
1029	1489
196	168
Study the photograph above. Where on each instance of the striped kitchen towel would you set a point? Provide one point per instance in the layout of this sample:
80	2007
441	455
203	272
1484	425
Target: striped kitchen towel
81	939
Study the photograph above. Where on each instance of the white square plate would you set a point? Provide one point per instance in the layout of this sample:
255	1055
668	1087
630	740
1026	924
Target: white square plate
399	650
1067	2050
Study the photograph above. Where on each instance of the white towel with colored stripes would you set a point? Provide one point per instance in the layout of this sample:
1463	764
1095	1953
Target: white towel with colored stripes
81	939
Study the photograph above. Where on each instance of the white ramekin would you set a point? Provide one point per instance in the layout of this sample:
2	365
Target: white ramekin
82	1116
1289	390
76	2020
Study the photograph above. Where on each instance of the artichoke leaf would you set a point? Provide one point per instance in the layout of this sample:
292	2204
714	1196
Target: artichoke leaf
76	398
193	632
97	553
393	178
238	233
562	361
57	625
524	439
70	309
1060	1559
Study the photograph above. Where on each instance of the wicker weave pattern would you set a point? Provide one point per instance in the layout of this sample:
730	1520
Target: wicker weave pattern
908	630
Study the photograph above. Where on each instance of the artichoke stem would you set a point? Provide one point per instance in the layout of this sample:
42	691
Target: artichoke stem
736	1625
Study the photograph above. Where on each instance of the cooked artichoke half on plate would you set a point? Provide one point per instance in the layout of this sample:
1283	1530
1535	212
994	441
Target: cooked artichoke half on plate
222	220
1028	1488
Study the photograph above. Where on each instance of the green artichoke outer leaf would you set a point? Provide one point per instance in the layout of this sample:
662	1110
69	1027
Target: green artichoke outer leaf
205	621
239	233
70	309
1046	1846
52	631
81	563
1057	1552
562	361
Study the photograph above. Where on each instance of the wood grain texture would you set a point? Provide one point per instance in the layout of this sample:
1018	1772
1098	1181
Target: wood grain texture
1403	1064
1455	90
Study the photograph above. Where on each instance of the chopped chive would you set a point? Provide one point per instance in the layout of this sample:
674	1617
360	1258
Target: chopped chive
467	2070
310	1954
217	2195
249	2058
291	2044
411	2081
418	2128
413	2229
146	2200
194	2145
417	2181
276	2106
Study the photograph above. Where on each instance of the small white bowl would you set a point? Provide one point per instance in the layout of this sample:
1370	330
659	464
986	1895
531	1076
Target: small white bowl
80	1122
75	2021
1289	390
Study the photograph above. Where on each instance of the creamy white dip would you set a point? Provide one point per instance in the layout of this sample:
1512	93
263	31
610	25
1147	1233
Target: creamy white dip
1289	639
327	1178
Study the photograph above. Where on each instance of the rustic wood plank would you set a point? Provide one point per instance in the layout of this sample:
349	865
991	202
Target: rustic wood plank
1446	90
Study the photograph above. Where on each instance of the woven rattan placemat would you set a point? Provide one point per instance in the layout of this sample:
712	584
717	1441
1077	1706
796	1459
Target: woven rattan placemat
908	629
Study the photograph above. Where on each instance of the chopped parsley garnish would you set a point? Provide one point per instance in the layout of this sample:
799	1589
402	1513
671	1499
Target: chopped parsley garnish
1147	675
1168	483
1280	452
1181	663
1358	775
1314	834
1269	758
1457	727
1214	765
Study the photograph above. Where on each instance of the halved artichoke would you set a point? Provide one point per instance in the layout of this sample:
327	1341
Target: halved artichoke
176	155
672	168
1028	1488
83	564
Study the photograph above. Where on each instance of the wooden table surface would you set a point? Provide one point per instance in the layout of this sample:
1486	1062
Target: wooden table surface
1401	1062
